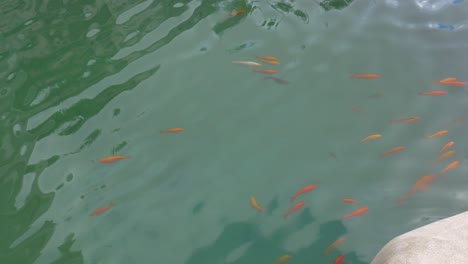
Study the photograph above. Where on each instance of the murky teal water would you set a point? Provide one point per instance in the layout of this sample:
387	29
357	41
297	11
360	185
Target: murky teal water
82	80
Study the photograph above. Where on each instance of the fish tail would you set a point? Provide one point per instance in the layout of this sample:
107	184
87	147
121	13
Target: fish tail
404	198
292	199
285	215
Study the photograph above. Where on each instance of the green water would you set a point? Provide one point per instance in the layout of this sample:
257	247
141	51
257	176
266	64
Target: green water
82	80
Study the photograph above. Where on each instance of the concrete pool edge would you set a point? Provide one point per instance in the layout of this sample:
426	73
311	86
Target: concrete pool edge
443	241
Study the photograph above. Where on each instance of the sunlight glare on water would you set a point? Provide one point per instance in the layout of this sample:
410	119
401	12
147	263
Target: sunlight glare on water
81	81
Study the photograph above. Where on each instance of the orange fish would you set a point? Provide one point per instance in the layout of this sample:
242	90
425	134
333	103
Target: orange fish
358	212
393	150
268	58
294	208
451	81
444	81
172	130
408	120
422	184
437	134
333	245
101	210
255	205
112	159
448	79
271	62
442	157
302	191
371	137
267	71
366	76
446	146
349	200
434	93
282	259
236	12
455	83
451	166
338	259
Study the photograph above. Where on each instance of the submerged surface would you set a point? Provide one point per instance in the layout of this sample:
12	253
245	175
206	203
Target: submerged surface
82	80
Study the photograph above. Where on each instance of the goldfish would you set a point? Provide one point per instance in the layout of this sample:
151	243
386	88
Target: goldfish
444	156
446	146
450	167
333	245
247	63
408	120
349	200
277	80
393	150
302	191
437	134
255	205
434	93
112	159
271	62
338	259
422	184
455	83
172	130
451	81
371	137
267	71
366	76
268	58
358	212
294	208
101	210
236	12
282	259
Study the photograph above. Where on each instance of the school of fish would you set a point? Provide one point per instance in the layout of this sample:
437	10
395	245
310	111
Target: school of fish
445	153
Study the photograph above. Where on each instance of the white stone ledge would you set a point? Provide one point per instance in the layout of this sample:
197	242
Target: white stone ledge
442	242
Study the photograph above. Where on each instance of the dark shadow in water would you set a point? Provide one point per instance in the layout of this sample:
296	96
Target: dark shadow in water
267	249
335	4
88	108
67	255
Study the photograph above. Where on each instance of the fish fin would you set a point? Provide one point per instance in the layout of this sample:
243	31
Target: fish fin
292	199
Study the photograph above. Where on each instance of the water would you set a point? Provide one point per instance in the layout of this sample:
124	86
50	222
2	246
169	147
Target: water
82	80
